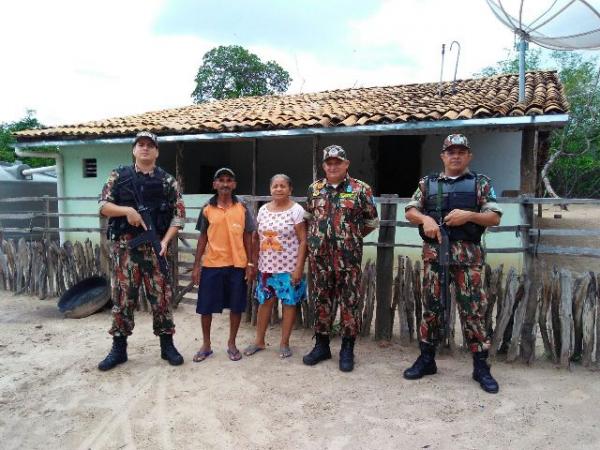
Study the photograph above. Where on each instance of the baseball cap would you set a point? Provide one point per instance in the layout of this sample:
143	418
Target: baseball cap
459	140
224	171
146	134
334	151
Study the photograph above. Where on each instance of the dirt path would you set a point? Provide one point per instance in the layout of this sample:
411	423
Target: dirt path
52	395
577	217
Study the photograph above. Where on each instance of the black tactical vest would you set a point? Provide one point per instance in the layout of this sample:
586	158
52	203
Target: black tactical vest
153	192
460	193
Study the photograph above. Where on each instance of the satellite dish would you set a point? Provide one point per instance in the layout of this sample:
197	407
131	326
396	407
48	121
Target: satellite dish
553	24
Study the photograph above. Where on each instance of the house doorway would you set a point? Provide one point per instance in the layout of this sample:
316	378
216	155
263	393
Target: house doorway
398	165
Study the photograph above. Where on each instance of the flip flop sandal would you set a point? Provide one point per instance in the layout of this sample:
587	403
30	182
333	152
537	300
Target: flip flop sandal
252	349
285	352
234	355
202	355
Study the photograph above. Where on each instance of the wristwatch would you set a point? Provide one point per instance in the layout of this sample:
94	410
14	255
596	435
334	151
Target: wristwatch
250	265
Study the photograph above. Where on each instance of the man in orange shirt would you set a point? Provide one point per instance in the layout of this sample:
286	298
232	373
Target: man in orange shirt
221	267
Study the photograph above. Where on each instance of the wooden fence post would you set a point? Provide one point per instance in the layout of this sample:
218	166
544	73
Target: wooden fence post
46	217
528	187
252	304
505	306
385	270
526	218
588	320
565	315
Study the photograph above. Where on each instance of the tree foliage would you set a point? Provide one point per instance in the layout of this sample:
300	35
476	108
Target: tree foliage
510	64
576	172
232	72
7	140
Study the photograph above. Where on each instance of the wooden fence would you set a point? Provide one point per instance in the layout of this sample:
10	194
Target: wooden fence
44	268
564	307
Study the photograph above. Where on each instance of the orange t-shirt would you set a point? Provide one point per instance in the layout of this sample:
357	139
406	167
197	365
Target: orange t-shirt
225	236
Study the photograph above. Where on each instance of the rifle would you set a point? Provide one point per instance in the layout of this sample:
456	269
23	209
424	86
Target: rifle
149	235
444	275
444	269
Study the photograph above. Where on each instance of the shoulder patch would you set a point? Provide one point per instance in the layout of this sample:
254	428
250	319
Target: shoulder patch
318	185
362	183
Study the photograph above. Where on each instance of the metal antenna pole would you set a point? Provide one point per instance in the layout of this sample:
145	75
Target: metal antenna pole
455	65
522	46
442	70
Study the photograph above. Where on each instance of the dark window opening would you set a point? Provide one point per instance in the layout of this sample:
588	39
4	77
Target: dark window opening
398	165
90	168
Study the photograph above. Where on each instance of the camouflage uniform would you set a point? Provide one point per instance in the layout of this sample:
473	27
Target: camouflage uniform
132	267
466	263
337	217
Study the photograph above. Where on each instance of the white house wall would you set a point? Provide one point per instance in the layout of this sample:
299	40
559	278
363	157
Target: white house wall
75	185
498	155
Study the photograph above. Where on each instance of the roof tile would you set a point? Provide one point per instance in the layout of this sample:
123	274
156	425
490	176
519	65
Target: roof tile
495	96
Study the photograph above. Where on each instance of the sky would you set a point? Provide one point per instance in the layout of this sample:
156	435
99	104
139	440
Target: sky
75	61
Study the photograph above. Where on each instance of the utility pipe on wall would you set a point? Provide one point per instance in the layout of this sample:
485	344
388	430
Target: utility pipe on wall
27	172
59	180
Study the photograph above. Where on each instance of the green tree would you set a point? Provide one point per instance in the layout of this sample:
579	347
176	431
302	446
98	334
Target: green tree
574	159
7	140
576	172
232	72
510	64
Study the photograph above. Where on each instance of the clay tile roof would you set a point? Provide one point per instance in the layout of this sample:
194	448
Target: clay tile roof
495	96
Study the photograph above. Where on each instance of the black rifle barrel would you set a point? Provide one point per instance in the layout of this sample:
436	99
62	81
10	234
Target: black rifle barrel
444	275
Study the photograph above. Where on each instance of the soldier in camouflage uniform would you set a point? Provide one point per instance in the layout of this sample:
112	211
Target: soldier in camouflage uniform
132	267
468	205
340	212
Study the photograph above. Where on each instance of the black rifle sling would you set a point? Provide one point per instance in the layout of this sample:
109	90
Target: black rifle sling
137	195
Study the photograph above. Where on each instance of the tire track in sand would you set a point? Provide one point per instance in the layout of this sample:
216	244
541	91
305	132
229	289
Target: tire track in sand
98	437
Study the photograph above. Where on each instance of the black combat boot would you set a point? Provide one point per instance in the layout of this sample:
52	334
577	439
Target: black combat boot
117	354
425	363
168	350
347	354
320	352
481	373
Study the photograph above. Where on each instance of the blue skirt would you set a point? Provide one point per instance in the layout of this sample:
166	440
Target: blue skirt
279	285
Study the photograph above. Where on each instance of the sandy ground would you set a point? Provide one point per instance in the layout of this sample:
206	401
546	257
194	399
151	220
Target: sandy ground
52	395
577	217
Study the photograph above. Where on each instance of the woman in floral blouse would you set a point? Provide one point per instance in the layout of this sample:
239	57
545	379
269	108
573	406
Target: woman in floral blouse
281	253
